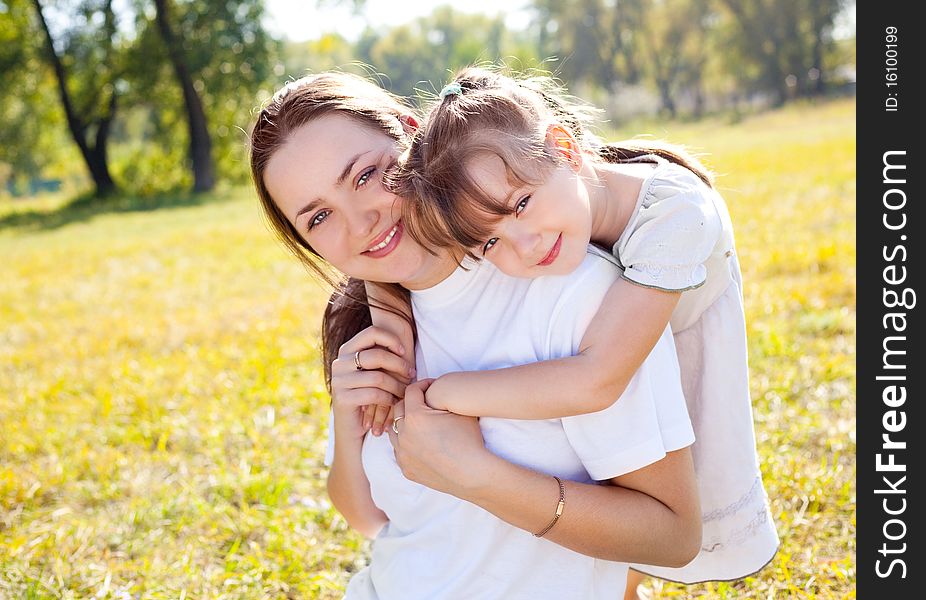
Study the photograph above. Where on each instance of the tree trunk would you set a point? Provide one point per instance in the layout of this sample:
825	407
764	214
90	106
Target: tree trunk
818	86
94	156
200	142
665	93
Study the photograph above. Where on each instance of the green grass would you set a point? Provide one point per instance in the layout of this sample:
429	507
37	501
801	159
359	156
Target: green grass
164	417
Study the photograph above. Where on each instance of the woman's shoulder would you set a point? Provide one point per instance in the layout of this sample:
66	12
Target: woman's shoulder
576	298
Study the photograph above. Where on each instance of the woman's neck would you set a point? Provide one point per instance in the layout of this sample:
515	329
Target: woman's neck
436	269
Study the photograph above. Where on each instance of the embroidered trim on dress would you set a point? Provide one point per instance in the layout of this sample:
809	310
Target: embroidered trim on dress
735	507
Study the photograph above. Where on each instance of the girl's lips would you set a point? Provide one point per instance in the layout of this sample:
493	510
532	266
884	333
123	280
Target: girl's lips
391	238
553	253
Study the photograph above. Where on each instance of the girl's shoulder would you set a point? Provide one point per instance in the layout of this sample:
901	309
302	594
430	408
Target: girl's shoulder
673	182
672	232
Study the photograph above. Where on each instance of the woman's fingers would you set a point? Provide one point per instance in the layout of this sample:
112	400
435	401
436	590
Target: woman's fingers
397	412
372	359
362	397
373	379
380	417
369	337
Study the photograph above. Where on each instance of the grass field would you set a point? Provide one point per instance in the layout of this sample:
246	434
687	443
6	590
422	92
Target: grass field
164	417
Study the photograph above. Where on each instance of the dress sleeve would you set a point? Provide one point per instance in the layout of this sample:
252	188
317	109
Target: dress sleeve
674	231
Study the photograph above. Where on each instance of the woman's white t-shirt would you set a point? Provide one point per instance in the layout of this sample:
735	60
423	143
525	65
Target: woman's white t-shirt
438	546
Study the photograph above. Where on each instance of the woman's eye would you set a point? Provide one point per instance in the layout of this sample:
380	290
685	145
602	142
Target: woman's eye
318	218
365	177
489	244
521	205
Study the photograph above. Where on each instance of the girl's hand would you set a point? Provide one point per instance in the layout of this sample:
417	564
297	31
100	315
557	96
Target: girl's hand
362	399
434	447
434	396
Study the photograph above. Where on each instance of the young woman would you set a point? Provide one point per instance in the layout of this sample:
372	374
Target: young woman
453	518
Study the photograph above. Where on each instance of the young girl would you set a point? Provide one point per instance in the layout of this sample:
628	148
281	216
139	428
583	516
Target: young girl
510	174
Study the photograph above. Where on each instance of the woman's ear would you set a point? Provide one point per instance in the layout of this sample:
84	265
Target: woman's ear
564	143
409	124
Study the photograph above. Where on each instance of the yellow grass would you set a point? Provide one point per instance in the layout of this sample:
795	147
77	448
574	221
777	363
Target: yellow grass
163	413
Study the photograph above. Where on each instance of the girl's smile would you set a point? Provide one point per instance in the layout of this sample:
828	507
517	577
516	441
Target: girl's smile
553	253
549	227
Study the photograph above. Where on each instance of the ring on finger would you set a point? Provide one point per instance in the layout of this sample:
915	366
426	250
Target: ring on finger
357	360
395	424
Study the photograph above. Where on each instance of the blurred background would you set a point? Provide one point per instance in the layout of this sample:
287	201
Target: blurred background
105	93
162	410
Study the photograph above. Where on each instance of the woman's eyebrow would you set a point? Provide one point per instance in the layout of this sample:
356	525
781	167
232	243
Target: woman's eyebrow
349	167
308	207
344	174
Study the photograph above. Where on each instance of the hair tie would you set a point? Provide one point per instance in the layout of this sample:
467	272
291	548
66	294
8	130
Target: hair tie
451	89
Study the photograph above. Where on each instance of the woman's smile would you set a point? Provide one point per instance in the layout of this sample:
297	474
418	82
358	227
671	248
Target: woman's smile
386	242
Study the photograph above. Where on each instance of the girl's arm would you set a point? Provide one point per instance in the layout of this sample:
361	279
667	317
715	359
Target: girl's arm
351	392
375	416
620	337
653	518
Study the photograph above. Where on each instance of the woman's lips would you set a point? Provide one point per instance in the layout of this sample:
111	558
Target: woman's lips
386	243
553	253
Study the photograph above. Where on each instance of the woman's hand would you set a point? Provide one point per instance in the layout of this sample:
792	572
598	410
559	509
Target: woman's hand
435	448
362	398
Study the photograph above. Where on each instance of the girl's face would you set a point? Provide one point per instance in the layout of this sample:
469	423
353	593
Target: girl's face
550	227
327	180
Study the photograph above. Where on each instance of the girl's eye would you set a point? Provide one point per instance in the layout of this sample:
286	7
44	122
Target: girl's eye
521	205
489	244
319	217
365	177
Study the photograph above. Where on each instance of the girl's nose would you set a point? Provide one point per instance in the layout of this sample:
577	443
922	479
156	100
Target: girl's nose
524	243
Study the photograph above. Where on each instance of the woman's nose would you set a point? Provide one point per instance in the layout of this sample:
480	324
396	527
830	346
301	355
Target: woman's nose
362	221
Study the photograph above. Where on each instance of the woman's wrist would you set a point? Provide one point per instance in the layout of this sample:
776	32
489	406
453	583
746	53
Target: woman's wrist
478	478
347	428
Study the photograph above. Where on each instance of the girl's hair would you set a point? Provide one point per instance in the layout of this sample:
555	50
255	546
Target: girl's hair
486	113
292	107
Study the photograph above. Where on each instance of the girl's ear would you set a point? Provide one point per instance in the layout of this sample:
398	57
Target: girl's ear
564	143
409	124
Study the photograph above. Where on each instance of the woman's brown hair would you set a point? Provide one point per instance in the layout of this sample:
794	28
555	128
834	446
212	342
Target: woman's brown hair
292	107
484	112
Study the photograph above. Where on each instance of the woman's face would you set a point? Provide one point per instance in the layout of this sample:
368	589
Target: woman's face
549	230
327	180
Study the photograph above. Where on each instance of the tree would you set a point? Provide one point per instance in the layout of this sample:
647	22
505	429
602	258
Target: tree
225	58
91	108
785	40
200	141
33	129
676	49
421	54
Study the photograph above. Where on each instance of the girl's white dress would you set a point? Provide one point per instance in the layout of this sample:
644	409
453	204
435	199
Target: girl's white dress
681	238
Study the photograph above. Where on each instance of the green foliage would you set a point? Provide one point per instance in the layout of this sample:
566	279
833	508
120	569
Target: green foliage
781	46
164	414
33	135
420	54
230	57
686	56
